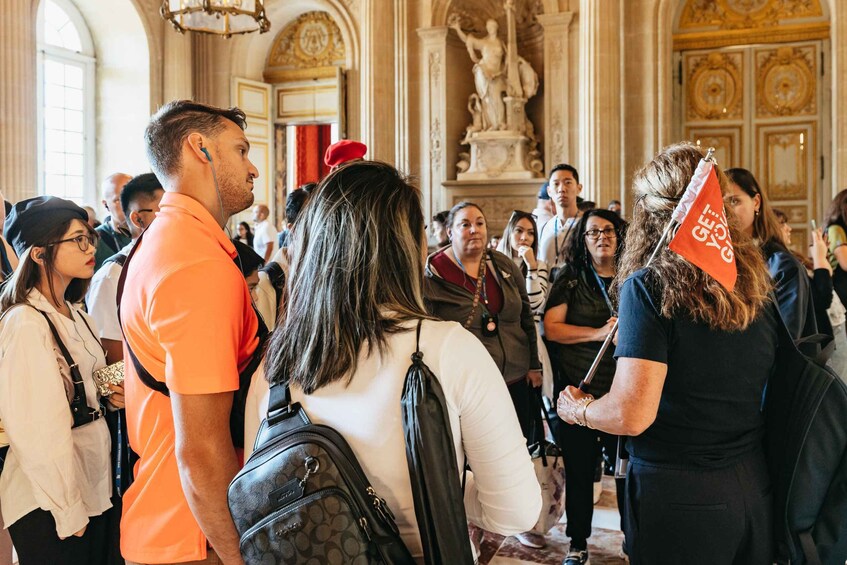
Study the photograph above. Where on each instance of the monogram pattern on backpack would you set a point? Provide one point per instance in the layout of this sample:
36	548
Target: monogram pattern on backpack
320	531
262	498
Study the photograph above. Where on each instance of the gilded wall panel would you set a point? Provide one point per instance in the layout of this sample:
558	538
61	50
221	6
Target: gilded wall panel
715	86
786	155
725	140
786	81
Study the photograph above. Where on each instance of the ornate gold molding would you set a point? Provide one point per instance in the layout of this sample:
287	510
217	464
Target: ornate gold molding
310	47
745	14
715	86
725	38
786	81
290	75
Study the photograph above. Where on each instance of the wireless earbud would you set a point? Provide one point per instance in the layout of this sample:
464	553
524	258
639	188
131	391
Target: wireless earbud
206	152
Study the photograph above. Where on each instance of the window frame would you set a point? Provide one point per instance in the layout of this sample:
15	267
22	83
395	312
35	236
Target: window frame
87	61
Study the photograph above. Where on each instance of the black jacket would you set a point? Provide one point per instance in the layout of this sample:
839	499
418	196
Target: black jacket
793	291
515	347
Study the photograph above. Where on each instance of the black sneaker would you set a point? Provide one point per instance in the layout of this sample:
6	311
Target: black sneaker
577	557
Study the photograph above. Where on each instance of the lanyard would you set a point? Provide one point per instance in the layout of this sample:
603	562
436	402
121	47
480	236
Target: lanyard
556	235
602	286
480	280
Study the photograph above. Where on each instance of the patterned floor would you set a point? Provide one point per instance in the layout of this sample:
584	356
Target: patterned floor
604	546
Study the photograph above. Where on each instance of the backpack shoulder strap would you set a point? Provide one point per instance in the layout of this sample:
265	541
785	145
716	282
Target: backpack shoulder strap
118	258
143	375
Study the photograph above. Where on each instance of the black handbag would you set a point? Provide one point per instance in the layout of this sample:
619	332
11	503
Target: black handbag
436	490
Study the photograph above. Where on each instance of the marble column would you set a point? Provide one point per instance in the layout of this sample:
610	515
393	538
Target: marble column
600	100
18	136
178	68
556	89
378	80
434	112
839	98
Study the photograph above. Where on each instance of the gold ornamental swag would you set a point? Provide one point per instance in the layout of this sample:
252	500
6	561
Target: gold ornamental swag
217	17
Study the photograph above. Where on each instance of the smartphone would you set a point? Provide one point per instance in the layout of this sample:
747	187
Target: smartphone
814	225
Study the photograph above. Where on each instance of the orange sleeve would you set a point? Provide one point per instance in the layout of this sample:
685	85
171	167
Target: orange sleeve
197	314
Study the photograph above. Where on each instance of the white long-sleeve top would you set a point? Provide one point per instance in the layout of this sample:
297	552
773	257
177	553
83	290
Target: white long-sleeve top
536	286
50	466
502	494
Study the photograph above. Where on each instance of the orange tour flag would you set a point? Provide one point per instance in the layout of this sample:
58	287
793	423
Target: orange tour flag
703	237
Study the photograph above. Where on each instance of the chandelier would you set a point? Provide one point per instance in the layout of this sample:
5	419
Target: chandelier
218	17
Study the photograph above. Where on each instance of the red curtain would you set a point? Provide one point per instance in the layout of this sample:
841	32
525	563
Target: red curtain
312	142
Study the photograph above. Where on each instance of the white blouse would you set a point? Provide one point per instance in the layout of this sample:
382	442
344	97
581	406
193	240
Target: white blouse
50	466
502	494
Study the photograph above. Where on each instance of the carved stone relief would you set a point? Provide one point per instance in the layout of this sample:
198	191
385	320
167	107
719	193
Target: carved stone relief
312	40
435	67
435	145
715	86
786	81
745	14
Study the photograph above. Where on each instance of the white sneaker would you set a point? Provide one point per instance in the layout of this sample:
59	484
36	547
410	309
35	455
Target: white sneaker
530	539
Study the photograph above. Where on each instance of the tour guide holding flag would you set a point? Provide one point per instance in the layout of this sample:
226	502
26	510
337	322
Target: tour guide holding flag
696	345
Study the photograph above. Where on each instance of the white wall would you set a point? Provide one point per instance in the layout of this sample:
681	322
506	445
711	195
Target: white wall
122	83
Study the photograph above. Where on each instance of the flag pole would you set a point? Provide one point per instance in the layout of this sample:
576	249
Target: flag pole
671	224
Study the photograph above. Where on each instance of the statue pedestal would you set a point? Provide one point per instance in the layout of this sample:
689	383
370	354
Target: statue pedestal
497	197
502	155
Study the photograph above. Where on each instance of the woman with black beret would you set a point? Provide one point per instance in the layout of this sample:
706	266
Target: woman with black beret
57	479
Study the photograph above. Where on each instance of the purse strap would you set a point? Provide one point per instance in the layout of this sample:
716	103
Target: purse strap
418	358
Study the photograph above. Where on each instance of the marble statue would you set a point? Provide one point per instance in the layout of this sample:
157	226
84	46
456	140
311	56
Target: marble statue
488	71
502	139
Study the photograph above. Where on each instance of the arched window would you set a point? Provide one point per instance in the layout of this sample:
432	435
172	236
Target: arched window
66	103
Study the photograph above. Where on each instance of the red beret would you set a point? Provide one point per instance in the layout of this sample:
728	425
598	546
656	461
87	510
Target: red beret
343	151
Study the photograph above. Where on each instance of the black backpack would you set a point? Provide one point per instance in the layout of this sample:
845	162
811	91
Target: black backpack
806	445
302	496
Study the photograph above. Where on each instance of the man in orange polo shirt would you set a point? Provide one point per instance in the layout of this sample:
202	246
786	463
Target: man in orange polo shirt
186	315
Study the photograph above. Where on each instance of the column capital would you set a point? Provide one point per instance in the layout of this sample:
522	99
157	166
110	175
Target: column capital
433	34
549	21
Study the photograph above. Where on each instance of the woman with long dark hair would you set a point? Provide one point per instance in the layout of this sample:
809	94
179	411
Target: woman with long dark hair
57	478
346	336
244	234
693	359
756	219
579	316
520	242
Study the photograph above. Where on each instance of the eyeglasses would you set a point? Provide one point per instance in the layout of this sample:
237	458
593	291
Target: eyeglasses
595	234
144	210
82	241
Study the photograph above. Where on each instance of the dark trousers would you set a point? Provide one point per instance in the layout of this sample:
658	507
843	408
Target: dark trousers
35	539
700	516
527	402
581	449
